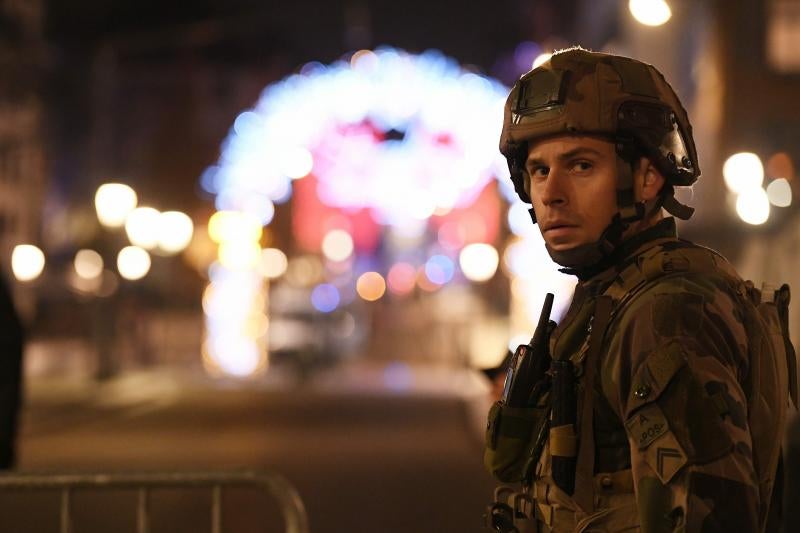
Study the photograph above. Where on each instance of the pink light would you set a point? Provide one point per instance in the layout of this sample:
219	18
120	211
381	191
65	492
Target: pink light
402	278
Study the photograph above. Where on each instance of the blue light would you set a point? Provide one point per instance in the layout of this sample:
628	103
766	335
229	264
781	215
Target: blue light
208	180
440	269
325	298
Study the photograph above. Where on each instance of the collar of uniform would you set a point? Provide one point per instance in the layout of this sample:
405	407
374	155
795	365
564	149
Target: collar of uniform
596	278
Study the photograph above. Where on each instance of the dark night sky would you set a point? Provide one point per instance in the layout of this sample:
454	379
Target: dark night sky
473	32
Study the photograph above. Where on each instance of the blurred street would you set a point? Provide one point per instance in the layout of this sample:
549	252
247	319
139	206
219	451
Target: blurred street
369	447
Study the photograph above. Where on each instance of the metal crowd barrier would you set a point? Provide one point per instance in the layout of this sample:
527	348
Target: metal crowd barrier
290	503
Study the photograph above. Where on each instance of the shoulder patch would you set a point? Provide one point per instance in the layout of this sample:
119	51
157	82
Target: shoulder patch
666	458
646	425
657	445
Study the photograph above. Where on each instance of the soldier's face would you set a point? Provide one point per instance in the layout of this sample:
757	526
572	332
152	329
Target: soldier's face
572	183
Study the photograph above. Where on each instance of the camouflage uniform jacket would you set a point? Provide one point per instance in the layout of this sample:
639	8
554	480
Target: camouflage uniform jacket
672	446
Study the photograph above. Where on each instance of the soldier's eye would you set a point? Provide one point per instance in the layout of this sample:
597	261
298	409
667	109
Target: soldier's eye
582	166
539	172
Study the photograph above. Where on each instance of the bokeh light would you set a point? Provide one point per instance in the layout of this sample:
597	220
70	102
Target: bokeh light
370	286
519	219
175	232
364	60
133	263
143	227
113	202
373	122
304	270
235	304
325	297
779	192
780	165
743	172
273	263
753	206
385	123
450	236
478	261
424	283
27	262
297	163
229	226
650	12
337	245
439	269
88	264
401	278
239	255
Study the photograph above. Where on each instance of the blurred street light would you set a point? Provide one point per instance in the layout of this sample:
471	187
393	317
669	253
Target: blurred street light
88	264
227	226
752	206
27	262
239	255
401	278
370	286
779	192
337	245
144	227
113	202
273	263
175	232
479	261
439	269
133	263
743	172
650	12
325	297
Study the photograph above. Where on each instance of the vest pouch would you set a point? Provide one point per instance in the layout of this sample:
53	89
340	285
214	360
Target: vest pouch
511	436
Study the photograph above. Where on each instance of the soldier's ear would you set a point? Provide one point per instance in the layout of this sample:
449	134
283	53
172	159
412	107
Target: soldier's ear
650	180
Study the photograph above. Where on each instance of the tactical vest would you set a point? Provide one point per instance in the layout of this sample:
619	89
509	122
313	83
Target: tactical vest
604	495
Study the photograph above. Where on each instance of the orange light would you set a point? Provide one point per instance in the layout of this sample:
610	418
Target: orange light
370	286
424	283
780	165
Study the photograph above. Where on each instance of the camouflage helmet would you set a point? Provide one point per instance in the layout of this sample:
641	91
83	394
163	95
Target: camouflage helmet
629	102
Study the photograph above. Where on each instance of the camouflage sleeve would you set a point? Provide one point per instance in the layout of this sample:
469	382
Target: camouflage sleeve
673	376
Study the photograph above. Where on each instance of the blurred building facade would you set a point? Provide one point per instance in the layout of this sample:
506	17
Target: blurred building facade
758	66
151	92
22	150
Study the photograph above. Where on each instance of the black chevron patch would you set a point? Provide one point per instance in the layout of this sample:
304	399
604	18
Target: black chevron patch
666	453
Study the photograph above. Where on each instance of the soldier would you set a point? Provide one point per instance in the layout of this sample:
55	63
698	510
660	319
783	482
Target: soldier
666	393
